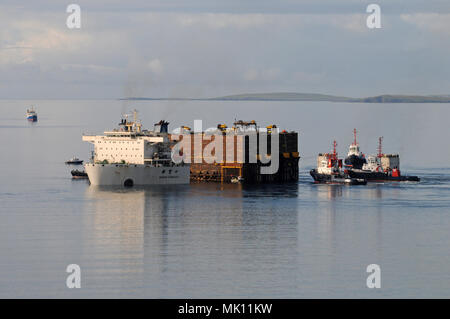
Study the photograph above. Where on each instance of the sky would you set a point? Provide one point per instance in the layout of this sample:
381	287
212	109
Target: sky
204	48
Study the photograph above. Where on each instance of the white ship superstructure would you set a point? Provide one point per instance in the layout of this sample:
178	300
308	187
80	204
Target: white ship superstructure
372	164
131	156
328	163
353	149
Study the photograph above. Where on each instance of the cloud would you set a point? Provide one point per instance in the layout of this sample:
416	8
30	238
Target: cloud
218	53
434	22
24	40
89	67
269	74
350	22
155	66
304	77
222	20
237	6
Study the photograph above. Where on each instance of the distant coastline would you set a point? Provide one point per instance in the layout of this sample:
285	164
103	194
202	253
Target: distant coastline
291	96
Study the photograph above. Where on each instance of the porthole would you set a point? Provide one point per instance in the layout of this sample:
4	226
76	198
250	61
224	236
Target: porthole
128	183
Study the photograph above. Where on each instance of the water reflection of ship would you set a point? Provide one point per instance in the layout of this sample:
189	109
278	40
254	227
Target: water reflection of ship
158	231
114	234
328	192
334	215
123	221
375	192
118	218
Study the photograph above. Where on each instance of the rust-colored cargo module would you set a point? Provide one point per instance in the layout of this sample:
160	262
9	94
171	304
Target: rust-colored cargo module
242	153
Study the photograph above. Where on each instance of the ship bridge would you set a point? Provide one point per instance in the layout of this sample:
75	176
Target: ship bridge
130	144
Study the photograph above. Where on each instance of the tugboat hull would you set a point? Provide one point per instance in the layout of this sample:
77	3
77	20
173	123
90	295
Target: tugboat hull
335	179
76	174
381	176
355	161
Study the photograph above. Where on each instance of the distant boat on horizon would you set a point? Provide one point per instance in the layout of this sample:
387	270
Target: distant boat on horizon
74	161
31	114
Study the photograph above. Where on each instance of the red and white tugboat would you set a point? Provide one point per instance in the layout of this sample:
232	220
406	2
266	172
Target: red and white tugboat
355	158
380	168
329	170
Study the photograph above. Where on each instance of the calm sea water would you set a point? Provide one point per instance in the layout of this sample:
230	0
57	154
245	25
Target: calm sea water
208	240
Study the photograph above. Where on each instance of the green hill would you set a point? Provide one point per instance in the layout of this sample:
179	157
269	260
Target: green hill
283	96
292	96
405	99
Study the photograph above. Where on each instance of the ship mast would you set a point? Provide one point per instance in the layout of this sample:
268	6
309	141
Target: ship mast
354	137
334	150
380	147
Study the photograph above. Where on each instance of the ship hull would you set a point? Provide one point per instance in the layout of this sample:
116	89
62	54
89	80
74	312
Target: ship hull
32	118
335	179
381	177
355	161
74	162
76	174
134	175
